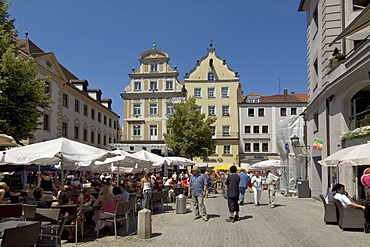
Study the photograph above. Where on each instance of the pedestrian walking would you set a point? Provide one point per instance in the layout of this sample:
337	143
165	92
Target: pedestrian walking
271	181
198	185
232	183
257	188
244	180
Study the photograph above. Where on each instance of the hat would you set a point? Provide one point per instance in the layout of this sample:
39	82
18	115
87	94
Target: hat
195	168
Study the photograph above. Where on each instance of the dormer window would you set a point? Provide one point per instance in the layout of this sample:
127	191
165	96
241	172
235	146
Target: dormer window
154	68
211	76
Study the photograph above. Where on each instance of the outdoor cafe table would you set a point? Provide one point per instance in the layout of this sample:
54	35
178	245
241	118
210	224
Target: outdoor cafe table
15	223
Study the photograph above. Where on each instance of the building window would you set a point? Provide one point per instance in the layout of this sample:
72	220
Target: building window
247	129
76	133
46	122
99	117
250	112
256	147
225	92
197	92
137	109
256	129
169	84
199	108
105	120
153	67
153	130
283	112
85	110
227	149
265	147
225	110
153	86
153	109
77	106
47	88
265	129
92	113
99	138
92	137
261	112
136	130
110	122
211	110
316	122
211	92
104	140
64	129
114	125
137	86
213	129
170	109
110	140
65	100
226	130
293	111
247	147
211	76
84	135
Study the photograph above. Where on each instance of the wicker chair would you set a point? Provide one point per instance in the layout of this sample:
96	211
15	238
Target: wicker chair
29	211
47	214
26	235
157	199
72	215
330	212
54	236
349	218
119	215
132	209
10	211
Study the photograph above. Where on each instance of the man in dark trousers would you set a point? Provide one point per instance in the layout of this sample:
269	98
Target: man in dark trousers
232	183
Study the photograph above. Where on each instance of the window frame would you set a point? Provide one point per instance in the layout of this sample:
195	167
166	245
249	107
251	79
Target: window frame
211	92
197	92
223	90
153	108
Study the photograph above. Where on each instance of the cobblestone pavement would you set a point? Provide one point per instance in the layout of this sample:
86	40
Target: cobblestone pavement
293	222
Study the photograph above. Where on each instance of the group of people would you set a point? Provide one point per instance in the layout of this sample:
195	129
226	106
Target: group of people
235	186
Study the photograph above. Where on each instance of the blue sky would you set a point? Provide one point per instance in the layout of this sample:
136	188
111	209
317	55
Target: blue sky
265	41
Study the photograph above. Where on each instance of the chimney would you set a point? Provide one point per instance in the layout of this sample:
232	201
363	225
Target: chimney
285	95
285	91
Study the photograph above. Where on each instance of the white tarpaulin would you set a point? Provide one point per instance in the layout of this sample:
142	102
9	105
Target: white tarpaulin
267	164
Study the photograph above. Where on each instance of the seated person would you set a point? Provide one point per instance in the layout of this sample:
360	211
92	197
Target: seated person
342	196
103	204
36	199
118	196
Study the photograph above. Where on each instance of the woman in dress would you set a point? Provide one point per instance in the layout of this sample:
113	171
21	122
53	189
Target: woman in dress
257	188
103	204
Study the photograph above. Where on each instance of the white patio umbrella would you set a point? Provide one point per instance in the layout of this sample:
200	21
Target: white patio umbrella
179	161
267	163
7	141
154	158
352	156
68	153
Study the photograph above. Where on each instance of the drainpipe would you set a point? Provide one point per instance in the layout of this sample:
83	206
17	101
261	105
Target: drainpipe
343	10
328	137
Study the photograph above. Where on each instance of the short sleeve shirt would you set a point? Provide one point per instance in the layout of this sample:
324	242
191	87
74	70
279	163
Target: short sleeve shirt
197	184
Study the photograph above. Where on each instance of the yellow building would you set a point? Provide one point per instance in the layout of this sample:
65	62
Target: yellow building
148	100
217	91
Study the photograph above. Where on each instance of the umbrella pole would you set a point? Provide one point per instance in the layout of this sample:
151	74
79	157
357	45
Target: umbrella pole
61	173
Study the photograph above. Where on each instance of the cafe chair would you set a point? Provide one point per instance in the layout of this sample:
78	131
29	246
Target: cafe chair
157	199
25	235
53	237
330	212
120	214
10	212
29	211
349	218
72	211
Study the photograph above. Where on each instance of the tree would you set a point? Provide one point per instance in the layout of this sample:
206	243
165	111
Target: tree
22	96
190	134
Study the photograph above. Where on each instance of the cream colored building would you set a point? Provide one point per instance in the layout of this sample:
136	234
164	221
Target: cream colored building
148	100
217	91
338	93
77	112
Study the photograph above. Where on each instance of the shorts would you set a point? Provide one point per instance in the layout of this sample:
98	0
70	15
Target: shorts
233	203
147	195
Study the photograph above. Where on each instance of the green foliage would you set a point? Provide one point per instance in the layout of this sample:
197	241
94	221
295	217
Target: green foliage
190	130
22	96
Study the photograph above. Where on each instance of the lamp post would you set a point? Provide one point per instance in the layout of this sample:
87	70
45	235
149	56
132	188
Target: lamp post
287	169
207	150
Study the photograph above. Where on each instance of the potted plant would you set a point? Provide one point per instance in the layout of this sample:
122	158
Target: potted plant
336	57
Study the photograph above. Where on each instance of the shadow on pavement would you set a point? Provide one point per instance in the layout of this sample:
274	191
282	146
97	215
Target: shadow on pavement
156	234
245	217
210	216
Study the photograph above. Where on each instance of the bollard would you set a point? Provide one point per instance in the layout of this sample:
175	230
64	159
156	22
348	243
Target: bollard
144	225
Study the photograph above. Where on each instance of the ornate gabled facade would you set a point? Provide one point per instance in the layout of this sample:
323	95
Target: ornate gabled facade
77	113
217	91
148	100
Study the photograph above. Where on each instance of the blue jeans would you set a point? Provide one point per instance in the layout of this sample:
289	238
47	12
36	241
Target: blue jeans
241	194
146	196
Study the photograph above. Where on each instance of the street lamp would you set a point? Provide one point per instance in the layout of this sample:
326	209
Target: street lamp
295	141
207	156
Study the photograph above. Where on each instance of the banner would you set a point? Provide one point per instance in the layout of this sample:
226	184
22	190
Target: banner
318	144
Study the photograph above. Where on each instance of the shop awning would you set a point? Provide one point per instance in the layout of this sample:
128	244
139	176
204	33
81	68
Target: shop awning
360	22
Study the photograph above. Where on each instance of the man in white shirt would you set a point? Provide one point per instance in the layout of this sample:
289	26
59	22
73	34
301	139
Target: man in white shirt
271	181
341	195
